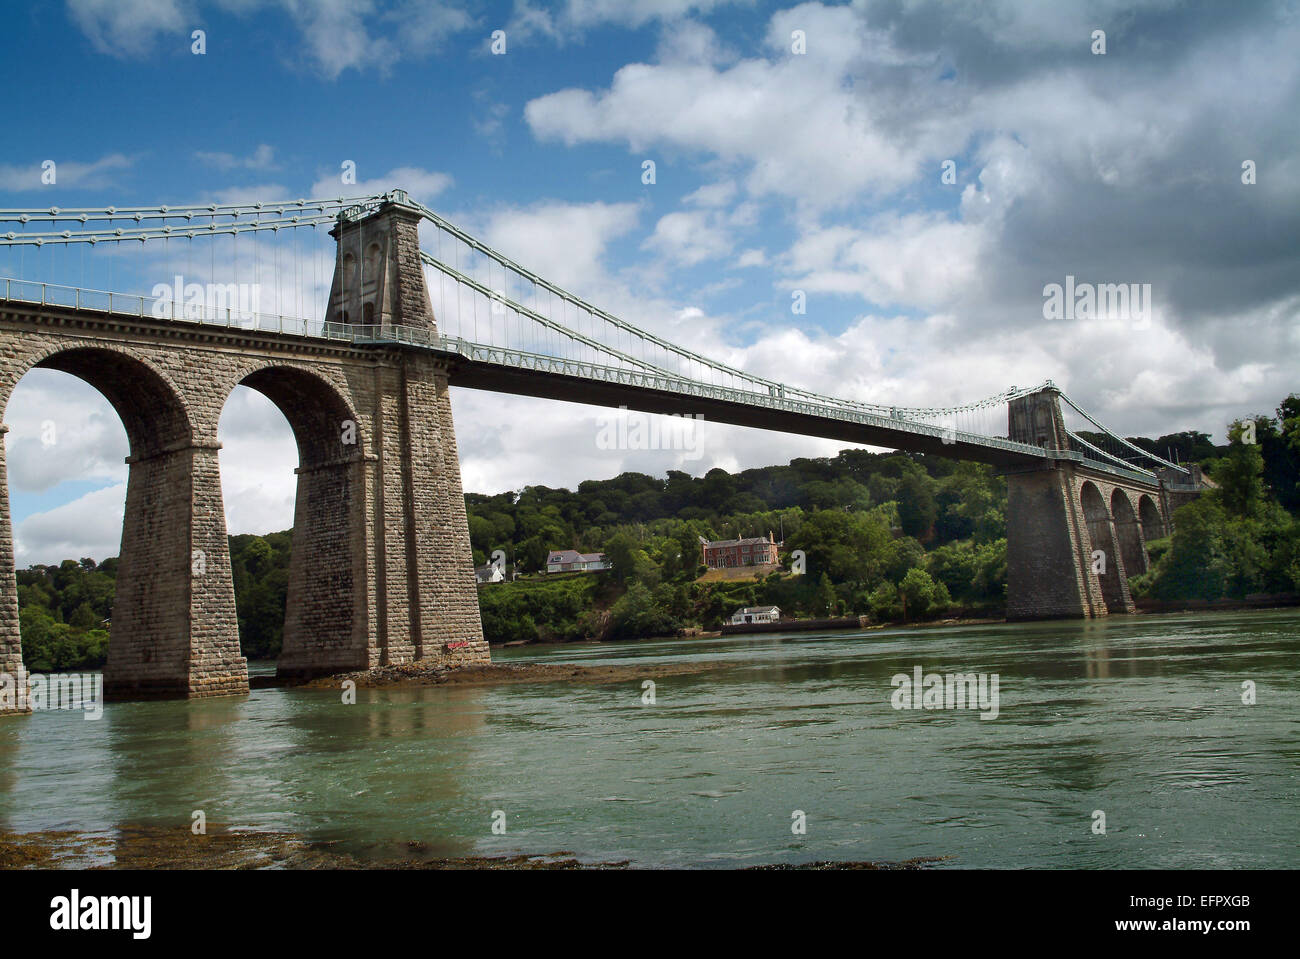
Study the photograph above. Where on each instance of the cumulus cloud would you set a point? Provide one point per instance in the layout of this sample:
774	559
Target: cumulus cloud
335	35
64	434
258	457
129	27
262	158
423	185
1116	169
66	173
570	19
61	428
88	526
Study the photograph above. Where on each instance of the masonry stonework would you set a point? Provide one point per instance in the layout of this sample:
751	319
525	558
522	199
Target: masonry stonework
1073	534
381	568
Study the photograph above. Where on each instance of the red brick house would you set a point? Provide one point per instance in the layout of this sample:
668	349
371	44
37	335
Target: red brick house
727	553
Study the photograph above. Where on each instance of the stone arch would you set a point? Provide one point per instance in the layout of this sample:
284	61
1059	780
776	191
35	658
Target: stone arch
316	410
374	255
350	275
325	610
1099	535
1153	524
1132	547
152	409
173	619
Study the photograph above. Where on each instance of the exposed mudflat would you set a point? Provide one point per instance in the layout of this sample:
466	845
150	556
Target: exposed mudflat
155	847
421	674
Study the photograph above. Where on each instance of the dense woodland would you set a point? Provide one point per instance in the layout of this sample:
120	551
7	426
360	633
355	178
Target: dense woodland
893	536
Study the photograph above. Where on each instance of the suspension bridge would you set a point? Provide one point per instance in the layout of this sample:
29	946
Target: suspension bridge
355	315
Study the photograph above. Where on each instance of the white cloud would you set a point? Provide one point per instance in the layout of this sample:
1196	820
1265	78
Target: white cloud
791	121
335	35
572	19
564	242
422	185
262	158
687	238
90	525
258	457
129	27
61	428
67	173
712	194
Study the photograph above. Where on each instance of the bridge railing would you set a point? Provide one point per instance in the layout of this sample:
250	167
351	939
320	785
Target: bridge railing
666	383
169	310
154	307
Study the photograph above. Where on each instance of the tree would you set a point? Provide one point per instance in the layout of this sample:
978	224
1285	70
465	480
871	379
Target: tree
622	553
826	598
1240	475
916	506
920	595
640	613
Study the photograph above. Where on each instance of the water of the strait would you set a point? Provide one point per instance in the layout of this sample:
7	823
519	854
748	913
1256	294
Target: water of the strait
1139	717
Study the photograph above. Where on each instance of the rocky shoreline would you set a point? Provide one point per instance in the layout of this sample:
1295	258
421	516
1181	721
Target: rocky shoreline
488	674
175	847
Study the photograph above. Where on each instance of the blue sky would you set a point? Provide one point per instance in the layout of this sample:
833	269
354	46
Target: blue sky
776	171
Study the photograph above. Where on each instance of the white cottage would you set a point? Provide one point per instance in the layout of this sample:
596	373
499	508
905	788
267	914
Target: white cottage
756	614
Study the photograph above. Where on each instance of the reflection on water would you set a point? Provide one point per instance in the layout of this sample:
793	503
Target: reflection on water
1140	717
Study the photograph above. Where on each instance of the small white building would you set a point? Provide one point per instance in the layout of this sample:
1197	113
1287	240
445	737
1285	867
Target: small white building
756	614
491	573
571	561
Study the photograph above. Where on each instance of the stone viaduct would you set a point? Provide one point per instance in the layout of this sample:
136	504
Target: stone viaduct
380	570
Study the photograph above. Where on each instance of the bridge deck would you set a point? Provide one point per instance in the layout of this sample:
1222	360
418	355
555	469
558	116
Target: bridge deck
497	369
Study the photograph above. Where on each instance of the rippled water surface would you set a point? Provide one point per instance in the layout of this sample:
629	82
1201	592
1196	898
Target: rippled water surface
1139	717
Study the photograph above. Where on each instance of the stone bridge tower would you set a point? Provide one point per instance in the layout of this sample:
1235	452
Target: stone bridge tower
1074	535
419	600
380	570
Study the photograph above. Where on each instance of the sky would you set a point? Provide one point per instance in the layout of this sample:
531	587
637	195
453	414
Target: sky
916	172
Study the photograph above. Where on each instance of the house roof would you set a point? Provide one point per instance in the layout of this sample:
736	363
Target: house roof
760	609
573	556
713	544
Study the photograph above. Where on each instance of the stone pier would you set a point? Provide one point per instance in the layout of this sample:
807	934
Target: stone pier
381	569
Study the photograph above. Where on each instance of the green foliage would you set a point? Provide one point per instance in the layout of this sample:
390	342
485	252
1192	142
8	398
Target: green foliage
916	506
1240	475
892	535
1214	553
260	568
849	547
921	596
63	614
1240	538
554	608
971	572
641	612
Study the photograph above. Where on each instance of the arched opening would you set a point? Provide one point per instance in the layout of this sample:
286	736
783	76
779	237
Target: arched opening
146	579
1153	527
258	458
350	279
322	578
368	314
1129	534
1098	520
371	274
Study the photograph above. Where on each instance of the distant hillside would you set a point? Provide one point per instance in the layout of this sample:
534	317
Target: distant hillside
889	535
